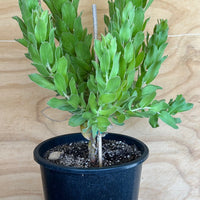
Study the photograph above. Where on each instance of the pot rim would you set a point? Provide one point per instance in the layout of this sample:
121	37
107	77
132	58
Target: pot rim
59	168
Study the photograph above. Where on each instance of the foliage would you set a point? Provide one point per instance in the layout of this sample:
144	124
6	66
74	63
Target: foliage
115	88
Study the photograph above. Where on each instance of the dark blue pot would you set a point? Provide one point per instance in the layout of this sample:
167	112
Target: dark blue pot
110	183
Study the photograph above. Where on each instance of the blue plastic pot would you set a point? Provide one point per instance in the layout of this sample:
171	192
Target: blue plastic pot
110	183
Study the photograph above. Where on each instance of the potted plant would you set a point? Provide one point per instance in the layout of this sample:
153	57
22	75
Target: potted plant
101	84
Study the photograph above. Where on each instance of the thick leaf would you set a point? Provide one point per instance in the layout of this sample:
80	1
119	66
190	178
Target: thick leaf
83	51
41	69
92	102
22	42
82	100
62	66
21	25
107	98
76	120
148	4
168	119
108	111
138	20
138	39
139	59
129	52
105	62
159	106
153	121
88	115
60	84
146	100
150	89
103	121
46	53
152	72
100	79
115	121
60	104
72	85
115	67
92	84
113	84
42	82
68	14
68	41
35	57
40	31
179	105
125	32
74	101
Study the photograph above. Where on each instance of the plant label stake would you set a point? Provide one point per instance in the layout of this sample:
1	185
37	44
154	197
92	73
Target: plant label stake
99	137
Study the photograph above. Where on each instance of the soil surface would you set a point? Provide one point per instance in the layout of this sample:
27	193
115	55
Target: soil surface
76	154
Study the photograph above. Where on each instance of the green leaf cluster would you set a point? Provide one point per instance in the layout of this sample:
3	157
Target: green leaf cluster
114	88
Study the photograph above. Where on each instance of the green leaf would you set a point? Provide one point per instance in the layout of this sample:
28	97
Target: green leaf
41	69
107	98
138	39
152	72
58	53
138	20
40	31
60	84
21	25
122	68
115	121
87	115
146	100
129	52
60	104
168	119
159	106
68	41
83	51
113	84
82	100
74	101
62	66
148	4
32	39
125	32
140	58
35	57
115	66
91	83
22	42
130	79
103	121
150	89
105	62
153	121
42	82
76	120
78	29
106	20
68	14
108	111
100	79
46	53
72	85
92	102
179	105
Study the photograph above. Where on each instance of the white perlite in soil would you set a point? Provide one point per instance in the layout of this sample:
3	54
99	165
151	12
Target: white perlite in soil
76	154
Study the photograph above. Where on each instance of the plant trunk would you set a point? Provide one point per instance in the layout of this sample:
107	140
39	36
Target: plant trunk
92	148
